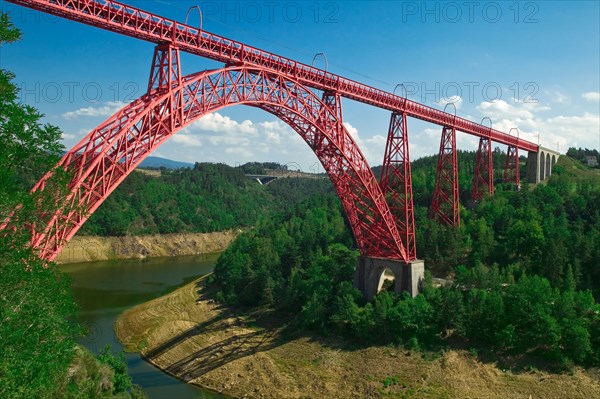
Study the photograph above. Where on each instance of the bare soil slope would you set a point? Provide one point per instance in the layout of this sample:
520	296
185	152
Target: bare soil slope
92	248
188	335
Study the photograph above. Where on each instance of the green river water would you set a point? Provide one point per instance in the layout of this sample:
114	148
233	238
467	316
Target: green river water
104	290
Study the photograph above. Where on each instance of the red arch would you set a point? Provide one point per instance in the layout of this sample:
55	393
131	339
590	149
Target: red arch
104	158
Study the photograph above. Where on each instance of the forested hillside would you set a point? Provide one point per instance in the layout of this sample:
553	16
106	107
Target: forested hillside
213	197
546	231
583	154
206	198
524	265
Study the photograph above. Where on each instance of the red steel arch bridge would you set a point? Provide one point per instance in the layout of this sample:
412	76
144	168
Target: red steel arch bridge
306	98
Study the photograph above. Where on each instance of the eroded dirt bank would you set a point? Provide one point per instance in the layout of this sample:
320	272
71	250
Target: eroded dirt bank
92	248
188	335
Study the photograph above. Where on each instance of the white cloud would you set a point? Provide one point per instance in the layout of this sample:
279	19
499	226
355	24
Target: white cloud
501	109
533	120
377	140
83	132
273	130
591	96
559	97
372	147
187	140
215	122
571	131
229	139
70	138
432	133
219	138
243	152
456	100
236	142
108	109
564	130
427	142
352	130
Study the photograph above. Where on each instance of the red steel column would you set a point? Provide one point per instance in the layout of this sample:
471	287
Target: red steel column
483	182
396	182
165	76
512	172
166	68
445	196
333	101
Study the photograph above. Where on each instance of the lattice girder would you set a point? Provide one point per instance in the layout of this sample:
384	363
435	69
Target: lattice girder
396	181
483	181
104	158
512	172
445	205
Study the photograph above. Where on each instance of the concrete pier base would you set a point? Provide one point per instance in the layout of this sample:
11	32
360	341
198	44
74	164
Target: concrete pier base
370	275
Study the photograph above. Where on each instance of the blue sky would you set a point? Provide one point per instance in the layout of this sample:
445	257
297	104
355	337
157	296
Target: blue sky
530	65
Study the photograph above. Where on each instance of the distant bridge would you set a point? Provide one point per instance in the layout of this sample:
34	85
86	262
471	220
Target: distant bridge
306	98
262	179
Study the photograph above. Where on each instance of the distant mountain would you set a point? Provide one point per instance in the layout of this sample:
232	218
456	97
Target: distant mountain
157	162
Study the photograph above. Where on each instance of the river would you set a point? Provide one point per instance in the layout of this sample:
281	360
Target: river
104	290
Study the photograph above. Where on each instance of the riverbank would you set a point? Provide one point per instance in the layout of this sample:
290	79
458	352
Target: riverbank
94	248
105	289
188	335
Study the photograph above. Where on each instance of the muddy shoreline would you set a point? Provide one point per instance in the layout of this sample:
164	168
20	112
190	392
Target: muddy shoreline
189	336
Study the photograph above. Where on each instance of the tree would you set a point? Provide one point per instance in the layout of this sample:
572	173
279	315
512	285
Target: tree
122	380
511	257
483	241
37	328
530	307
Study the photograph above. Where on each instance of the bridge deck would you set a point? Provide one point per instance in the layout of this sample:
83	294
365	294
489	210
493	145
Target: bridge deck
130	21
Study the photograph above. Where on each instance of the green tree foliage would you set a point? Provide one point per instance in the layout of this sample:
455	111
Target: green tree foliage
206	198
547	231
263	168
102	376
581	154
121	380
37	309
37	331
522	263
290	261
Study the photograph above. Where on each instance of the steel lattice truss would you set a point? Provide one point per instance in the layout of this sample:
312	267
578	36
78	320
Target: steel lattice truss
396	181
111	151
134	22
512	172
445	205
278	85
483	181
